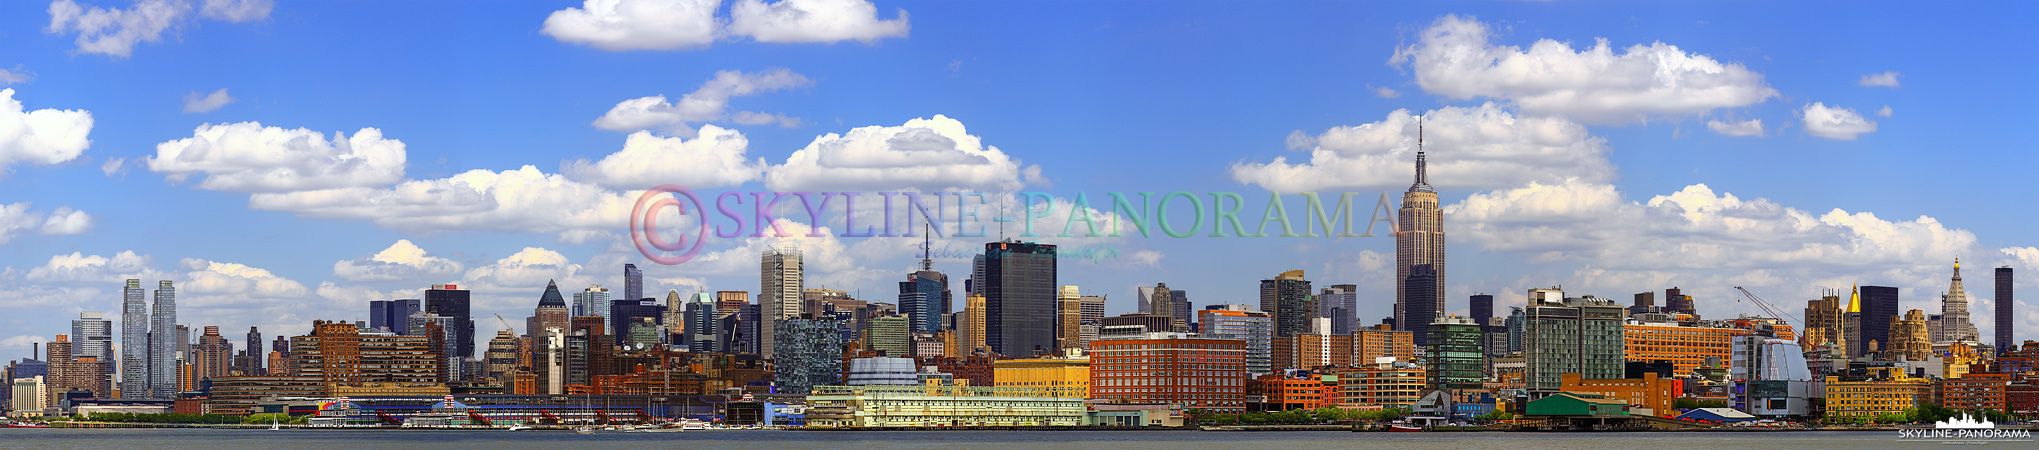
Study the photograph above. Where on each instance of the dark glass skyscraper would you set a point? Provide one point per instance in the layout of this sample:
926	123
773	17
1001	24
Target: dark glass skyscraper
1879	305
393	314
2006	329
924	298
627	311
1017	281
1422	281
1483	308
452	301
1287	298
633	282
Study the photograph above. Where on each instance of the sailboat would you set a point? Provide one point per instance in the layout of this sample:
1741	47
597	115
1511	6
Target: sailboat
272	424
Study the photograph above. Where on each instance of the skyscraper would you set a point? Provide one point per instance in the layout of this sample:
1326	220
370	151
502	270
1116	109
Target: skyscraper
452	301
2005	330
779	285
1161	302
1954	323
1286	298
1483	309
134	342
807	353
629	311
210	358
594	301
1879	308
1184	313
1419	242
1069	319
924	297
255	355
394	315
1644	302
1419	284
551	312
1676	302
1017	281
633	282
1571	335
1338	303
163	343
1241	322
92	336
699	317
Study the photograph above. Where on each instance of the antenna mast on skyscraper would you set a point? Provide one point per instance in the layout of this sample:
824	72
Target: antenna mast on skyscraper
927	248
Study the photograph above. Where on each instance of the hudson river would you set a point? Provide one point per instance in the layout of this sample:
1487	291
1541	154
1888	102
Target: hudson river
169	439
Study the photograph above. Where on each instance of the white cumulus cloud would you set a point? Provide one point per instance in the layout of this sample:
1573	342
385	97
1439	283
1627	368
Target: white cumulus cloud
1835	122
43	136
1886	79
248	157
708	103
402	261
1482	147
1455	58
1751	127
15	76
714	158
521	200
619	25
83	268
115	31
828	21
923	154
194	103
17	219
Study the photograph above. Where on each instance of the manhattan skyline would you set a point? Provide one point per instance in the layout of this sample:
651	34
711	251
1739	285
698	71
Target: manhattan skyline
1608	148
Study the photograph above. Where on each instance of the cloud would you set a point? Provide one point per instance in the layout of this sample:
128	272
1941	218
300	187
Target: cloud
248	157
521	200
1694	228
825	21
114	166
1835	123
43	136
15	76
17	219
532	266
1385	92
1454	58
713	159
216	284
402	261
1751	127
620	25
1886	79
708	103
1885	112
923	154
81	268
193	103
236	10
114	31
1482	147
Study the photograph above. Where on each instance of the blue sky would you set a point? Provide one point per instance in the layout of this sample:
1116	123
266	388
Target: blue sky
1603	175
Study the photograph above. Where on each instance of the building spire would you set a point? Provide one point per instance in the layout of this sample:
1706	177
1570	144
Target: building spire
927	249
1422	177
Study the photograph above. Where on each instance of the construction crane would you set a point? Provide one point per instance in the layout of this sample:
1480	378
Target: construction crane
1765	305
506	324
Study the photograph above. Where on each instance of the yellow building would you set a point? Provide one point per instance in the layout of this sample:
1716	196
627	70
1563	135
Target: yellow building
970	339
1381	386
1370	344
388	390
1891	394
1908	337
1065	373
1685	347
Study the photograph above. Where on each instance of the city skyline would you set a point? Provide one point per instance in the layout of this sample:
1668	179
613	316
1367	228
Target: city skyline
1683	184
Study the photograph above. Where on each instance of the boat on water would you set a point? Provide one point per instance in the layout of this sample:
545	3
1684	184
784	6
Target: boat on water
585	430
519	428
27	425
1404	427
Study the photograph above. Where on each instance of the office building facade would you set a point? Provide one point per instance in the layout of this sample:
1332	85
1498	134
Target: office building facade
1017	281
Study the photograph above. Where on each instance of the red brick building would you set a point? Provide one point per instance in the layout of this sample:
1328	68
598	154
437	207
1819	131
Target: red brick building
1286	393
1197	373
1975	391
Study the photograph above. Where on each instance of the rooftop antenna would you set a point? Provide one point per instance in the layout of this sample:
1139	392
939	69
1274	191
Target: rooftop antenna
927	248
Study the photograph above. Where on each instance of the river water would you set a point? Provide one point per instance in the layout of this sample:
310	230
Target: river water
207	439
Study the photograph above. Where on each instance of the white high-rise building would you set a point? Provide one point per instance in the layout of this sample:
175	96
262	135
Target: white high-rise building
594	301
779	286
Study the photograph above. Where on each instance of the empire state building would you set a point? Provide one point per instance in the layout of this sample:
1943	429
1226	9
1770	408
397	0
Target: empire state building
1419	254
